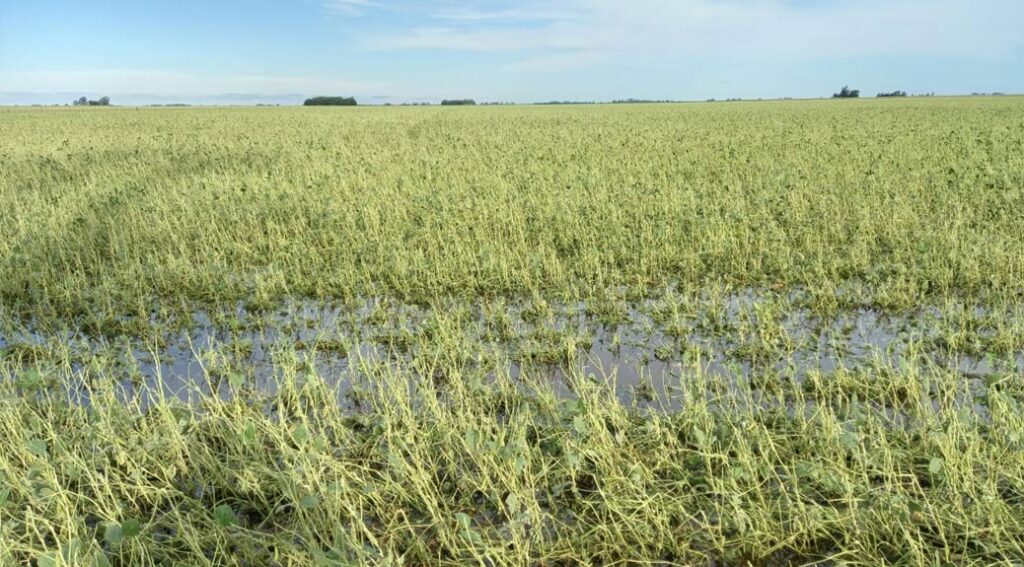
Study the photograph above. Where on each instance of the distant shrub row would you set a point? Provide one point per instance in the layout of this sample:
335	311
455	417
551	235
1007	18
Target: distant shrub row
458	102
330	101
103	101
847	92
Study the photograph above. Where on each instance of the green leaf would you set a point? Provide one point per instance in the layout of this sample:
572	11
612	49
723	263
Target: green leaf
225	516
100	560
38	447
700	437
300	434
30	379
916	511
571	407
131	528
69	551
520	464
559	488
395	461
466	528
472	439
850	440
512	501
309	501
236	380
44	492
113	534
249	434
465	522
48	559
935	465
580	425
806	470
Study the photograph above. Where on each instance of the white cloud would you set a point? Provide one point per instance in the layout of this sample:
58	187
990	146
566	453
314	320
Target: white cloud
491	39
560	61
454	11
351	7
528	14
599	30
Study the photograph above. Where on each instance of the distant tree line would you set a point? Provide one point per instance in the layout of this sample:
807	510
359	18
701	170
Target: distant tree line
330	101
640	101
617	101
847	92
103	101
458	102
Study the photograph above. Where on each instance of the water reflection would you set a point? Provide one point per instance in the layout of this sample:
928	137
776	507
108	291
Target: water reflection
645	351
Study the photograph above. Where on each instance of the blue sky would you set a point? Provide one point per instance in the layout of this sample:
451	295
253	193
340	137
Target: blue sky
399	50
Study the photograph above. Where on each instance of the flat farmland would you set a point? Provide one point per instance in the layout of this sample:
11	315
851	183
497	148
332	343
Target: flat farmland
743	333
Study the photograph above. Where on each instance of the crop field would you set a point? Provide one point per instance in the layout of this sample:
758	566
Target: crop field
749	333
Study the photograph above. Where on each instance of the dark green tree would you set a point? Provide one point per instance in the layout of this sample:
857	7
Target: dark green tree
330	101
847	92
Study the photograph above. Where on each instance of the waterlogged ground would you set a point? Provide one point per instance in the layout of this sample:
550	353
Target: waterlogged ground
734	334
512	420
640	350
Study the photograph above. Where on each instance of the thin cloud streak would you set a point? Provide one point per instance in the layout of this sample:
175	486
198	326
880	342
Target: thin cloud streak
351	7
171	83
761	28
506	15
